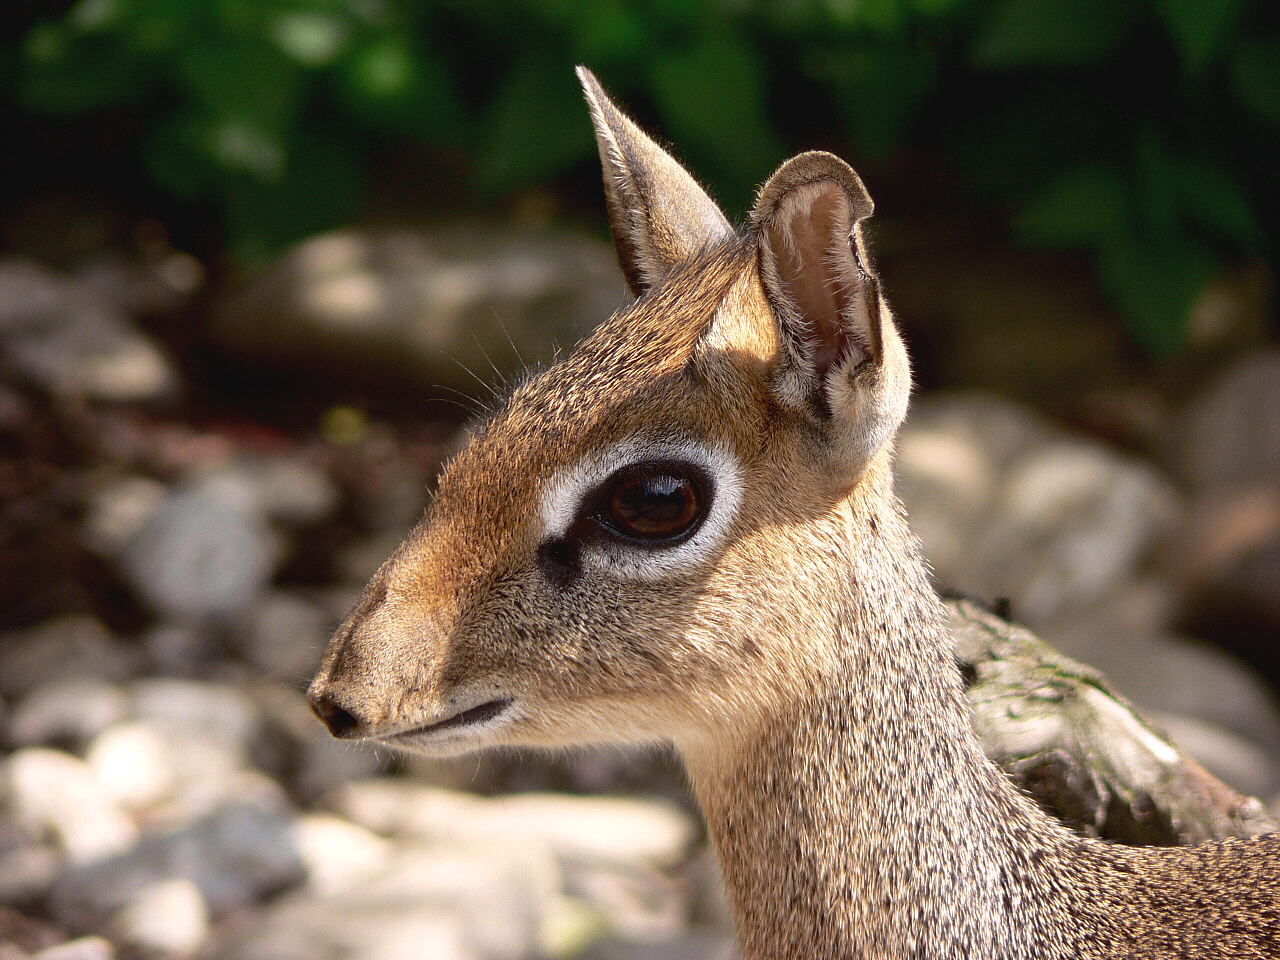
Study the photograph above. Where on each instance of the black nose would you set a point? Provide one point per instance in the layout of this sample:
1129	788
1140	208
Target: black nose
342	723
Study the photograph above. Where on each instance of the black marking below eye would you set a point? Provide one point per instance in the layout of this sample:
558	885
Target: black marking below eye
561	560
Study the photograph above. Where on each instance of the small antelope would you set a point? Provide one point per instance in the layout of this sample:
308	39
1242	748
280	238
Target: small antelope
686	532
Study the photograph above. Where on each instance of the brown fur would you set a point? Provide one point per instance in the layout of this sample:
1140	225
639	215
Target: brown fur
800	665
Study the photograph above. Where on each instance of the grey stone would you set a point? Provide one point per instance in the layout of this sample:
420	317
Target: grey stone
284	635
1230	433
27	871
417	307
117	508
235	855
62	649
28	294
71	339
280	488
1006	506
464	899
51	792
198	557
66	711
694	945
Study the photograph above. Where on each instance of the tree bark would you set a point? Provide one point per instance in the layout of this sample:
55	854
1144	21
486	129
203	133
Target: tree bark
1081	749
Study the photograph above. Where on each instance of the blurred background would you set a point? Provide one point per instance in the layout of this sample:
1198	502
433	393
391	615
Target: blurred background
260	260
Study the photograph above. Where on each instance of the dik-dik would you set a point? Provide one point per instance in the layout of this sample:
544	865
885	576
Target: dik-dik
686	533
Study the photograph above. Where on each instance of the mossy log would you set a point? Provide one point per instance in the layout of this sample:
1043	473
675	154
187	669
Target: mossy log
1081	749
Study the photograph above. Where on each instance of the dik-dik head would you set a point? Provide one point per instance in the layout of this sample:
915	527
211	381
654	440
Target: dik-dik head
628	550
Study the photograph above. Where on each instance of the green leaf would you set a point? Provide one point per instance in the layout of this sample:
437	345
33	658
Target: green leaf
396	84
1081	207
244	80
1199	28
1154	285
711	98
69	74
322	189
310	37
537	126
879	90
1051	33
1255	74
1211	198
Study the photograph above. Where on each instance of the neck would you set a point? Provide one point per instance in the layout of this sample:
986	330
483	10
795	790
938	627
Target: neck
861	819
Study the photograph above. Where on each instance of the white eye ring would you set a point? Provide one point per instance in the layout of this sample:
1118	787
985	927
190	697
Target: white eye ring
564	497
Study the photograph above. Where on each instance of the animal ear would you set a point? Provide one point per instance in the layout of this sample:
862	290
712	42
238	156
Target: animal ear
840	354
658	214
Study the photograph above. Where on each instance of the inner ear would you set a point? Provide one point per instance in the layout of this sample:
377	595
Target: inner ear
812	264
817	271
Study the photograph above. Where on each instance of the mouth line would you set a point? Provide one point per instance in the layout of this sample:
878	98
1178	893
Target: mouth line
479	714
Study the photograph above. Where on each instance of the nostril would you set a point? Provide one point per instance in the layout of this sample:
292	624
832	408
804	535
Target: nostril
341	723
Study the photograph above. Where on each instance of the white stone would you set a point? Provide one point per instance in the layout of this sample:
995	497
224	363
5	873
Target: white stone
84	948
592	829
48	790
168	917
338	855
134	764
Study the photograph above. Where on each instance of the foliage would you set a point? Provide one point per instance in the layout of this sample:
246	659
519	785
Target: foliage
1142	131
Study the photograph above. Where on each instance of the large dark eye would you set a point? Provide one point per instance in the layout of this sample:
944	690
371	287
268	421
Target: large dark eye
654	503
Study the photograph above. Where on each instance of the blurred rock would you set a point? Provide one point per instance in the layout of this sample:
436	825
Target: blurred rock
199	557
21	935
28	294
456	900
62	649
419	308
312	762
184	649
189	741
66	712
284	635
134	763
27	871
338	855
51	792
1237	761
589	829
169	917
1169	676
695	945
235	855
279	488
85	948
73	335
1230	434
117	509
1226	560
1006	506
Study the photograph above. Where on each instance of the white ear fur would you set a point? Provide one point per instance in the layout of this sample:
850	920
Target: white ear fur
658	214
